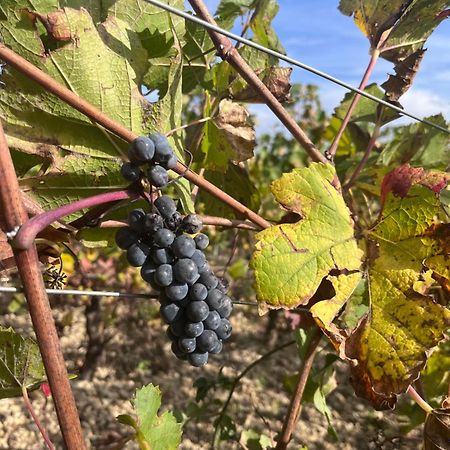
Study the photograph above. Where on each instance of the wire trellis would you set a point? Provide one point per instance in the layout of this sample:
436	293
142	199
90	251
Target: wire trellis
292	61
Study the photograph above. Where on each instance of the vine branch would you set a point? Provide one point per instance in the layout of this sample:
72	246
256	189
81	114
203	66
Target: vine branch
65	94
229	53
295	406
13	215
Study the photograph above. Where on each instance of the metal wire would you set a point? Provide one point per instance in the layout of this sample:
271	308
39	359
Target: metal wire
292	61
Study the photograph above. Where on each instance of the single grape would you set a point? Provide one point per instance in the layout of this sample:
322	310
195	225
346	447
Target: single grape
225	309
198	292
177	291
163	153
125	237
163	237
197	358
197	311
212	321
158	176
201	241
164	275
142	150
200	259
130	172
204	268
174	222
223	285
187	345
183	246
194	329
136	219
214	299
161	256
171	312
137	254
217	348
177	352
185	271
152	223
166	206
148	271
208	279
171	162
191	224
158	138
207	341
177	327
223	331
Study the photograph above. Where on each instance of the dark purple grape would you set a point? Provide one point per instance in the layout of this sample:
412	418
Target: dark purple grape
161	256
194	329
136	219
217	348
201	241
164	275
199	259
153	222
137	254
171	163
130	172
163	237
185	271
225	309
197	311
177	352
191	224
148	271
174	222
158	176
166	206
198	292
223	331
142	150
208	279
163	153
198	359
214	299
171	312
158	138
223	285
183	246
212	321
207	341
177	291
187	345
177	327
170	335
125	237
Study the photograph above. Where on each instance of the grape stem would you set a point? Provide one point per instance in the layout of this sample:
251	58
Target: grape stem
29	230
52	86
419	400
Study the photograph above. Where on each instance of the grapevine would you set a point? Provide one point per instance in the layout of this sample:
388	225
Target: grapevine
169	249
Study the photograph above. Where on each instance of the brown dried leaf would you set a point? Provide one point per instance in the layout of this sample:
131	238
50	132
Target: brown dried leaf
56	23
436	433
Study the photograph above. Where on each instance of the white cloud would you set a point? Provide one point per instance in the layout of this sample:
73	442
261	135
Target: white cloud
423	103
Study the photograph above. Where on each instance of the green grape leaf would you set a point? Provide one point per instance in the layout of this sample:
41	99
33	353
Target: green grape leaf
391	344
291	260
419	145
228	137
21	365
153	431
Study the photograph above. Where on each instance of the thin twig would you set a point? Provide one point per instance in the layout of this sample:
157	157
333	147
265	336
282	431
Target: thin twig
228	53
52	86
36	420
365	158
372	62
296	400
183	127
27	261
236	383
196	190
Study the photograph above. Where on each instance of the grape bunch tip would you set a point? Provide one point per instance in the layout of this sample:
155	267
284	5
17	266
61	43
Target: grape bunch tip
193	301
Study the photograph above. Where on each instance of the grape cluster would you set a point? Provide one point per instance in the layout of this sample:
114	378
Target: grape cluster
150	157
193	301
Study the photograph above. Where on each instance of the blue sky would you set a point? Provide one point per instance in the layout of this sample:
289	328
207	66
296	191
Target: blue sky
316	33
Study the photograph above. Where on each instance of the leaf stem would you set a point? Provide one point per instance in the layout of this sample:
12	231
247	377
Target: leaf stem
228	53
36	420
52	86
419	400
13	214
183	127
30	229
372	62
236	383
295	406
